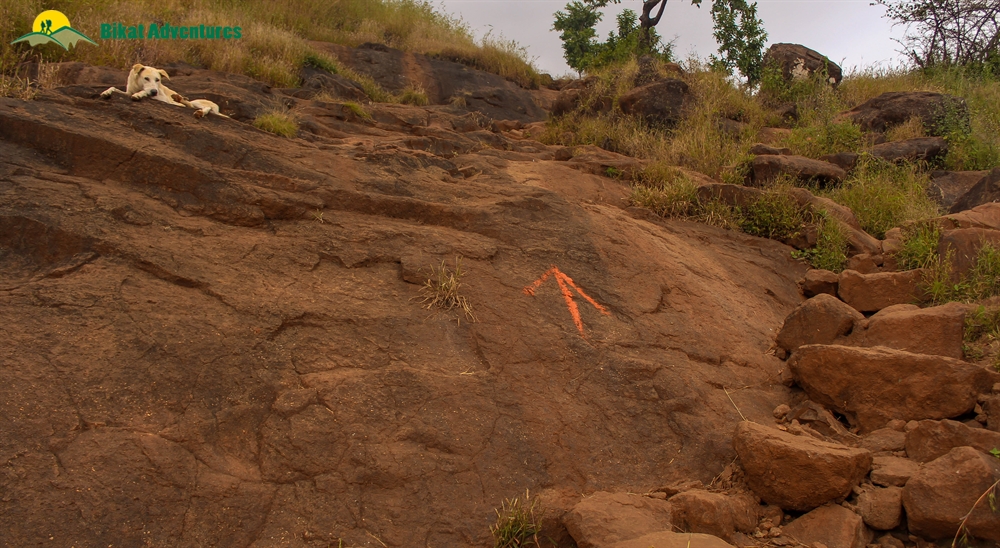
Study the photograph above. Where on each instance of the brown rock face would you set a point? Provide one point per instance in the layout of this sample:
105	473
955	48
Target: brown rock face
884	440
798	62
832	525
938	330
982	216
985	191
715	514
604	519
873	292
896	107
769	167
667	539
843	160
817	281
876	385
734	195
820	320
881	507
948	186
938	496
920	149
892	471
662	102
932	439
963	245
797	472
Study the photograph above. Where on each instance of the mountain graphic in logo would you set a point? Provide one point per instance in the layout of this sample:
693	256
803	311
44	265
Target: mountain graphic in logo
52	26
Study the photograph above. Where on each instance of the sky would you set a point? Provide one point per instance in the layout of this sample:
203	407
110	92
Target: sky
852	33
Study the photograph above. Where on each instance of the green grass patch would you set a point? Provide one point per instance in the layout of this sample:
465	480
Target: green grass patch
414	95
775	215
518	523
919	246
277	121
981	282
982	335
357	110
827	138
830	252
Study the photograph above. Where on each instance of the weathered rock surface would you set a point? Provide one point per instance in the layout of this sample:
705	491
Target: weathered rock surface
875	385
982	216
936	330
932	439
892	471
831	525
605	519
987	190
896	107
943	491
873	292
767	168
843	160
946	187
717	514
729	194
925	149
797	472
818	281
884	440
667	539
820	320
963	245
798	62
661	102
165	281
881	507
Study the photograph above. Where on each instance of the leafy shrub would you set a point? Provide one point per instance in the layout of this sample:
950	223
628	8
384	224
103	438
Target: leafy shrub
919	246
830	252
775	215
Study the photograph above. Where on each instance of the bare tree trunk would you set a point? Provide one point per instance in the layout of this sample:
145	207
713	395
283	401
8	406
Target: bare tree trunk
647	23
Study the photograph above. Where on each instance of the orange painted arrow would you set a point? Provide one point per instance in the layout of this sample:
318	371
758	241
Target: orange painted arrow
565	282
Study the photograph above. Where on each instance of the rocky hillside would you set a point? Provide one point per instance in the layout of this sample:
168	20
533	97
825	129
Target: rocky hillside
215	336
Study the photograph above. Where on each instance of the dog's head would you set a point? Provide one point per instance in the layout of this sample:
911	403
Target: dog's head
148	78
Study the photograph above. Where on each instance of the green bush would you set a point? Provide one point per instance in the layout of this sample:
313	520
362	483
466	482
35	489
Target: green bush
775	215
827	138
830	252
919	246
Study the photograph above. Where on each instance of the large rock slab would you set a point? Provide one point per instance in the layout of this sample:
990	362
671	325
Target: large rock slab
937	330
667	539
982	216
717	514
765	169
940	495
987	190
946	187
798	62
875	385
873	292
820	320
925	149
604	519
831	525
962	245
797	472
662	102
892	471
817	281
896	107
932	439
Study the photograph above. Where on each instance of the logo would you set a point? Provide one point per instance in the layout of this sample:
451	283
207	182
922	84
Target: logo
52	26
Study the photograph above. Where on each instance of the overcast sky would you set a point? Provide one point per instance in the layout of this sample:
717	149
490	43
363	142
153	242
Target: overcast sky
852	33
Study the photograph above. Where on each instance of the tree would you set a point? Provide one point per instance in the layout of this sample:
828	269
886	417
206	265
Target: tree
577	25
741	37
583	51
948	32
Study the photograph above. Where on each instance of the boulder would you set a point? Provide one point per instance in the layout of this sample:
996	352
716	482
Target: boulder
946	187
892	471
982	216
884	440
732	195
896	107
944	490
842	213
931	439
820	320
881	507
662	102
843	160
603	519
991	407
924	149
797	472
872	386
985	191
817	281
938	330
798	62
761	149
667	539
765	169
820	421
864	263
873	292
963	244
718	514
772	135
832	526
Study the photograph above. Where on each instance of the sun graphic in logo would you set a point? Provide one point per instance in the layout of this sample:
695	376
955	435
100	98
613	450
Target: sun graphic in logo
53	26
50	21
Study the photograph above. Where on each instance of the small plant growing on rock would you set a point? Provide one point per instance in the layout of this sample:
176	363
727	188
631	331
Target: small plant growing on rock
982	334
830	252
919	247
414	95
518	523
441	290
775	215
357	110
278	120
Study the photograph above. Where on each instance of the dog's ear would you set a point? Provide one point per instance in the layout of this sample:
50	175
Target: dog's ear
164	74
137	68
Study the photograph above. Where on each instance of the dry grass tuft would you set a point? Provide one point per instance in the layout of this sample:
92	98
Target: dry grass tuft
441	290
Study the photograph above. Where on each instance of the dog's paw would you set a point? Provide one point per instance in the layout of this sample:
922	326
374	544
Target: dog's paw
199	113
106	94
178	98
137	96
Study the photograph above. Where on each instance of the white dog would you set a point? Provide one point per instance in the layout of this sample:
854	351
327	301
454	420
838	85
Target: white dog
146	81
